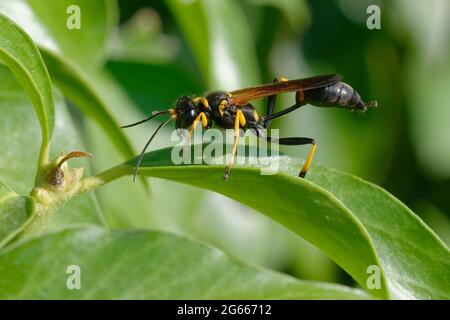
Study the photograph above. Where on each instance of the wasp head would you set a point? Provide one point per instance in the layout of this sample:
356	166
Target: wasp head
185	112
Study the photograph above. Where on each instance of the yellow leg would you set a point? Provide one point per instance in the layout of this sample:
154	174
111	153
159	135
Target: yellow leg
238	122
201	116
308	161
203	100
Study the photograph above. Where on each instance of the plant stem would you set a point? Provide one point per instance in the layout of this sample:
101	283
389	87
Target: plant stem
104	177
43	157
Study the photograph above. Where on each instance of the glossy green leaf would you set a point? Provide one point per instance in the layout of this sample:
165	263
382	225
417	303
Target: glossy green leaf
415	261
143	265
20	54
313	213
15	211
356	224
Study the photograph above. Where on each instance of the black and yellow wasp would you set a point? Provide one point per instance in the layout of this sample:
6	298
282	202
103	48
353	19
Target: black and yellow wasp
233	110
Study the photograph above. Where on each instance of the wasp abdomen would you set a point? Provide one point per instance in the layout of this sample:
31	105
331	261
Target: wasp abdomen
339	95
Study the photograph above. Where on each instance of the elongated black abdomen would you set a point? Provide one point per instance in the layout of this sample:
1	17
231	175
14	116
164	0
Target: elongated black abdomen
339	95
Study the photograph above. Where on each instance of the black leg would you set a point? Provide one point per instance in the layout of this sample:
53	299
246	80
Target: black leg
293	141
271	100
267	118
299	99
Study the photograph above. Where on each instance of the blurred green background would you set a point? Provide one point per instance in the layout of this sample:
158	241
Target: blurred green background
159	50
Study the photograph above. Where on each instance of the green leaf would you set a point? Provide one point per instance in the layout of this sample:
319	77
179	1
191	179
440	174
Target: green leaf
358	225
19	147
20	54
77	89
415	261
15	211
223	49
313	213
143	265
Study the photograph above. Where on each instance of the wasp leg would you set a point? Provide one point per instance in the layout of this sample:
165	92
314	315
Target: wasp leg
201	116
308	161
238	122
295	141
299	99
203	100
271	100
279	114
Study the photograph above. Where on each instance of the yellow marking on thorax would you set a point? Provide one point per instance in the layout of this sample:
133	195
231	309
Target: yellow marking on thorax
222	106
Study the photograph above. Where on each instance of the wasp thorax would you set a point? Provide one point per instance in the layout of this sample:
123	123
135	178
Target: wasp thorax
186	111
217	99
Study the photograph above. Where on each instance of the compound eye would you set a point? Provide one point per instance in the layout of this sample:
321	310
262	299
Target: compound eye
186	112
190	113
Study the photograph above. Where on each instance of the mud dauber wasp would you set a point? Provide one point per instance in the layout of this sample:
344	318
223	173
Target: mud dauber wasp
233	110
